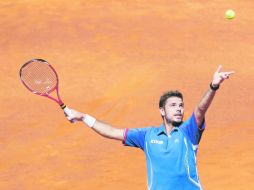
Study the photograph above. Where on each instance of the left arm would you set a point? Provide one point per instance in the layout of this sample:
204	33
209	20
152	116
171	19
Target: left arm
206	100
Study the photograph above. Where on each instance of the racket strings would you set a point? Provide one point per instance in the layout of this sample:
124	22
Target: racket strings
39	77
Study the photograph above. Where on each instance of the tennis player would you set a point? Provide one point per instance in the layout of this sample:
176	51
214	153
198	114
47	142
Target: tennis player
171	148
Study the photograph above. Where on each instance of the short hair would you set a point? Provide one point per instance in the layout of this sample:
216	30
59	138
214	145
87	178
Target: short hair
167	95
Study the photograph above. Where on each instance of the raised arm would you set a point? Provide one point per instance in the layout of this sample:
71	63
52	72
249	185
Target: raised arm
206	100
101	128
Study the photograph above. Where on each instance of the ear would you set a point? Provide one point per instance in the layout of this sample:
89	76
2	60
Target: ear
162	111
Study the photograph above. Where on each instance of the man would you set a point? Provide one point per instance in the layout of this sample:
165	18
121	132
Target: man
171	148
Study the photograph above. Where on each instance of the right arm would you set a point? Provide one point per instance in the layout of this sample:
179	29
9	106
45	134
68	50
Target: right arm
108	131
99	127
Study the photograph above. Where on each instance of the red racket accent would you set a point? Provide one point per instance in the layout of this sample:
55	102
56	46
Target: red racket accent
40	77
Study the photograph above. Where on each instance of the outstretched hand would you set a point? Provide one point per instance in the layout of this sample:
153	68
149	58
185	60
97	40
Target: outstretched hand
219	76
74	116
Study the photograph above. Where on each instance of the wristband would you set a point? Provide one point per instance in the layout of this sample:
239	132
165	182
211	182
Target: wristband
89	120
214	88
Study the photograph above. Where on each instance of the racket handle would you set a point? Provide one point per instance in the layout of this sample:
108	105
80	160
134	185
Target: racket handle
67	111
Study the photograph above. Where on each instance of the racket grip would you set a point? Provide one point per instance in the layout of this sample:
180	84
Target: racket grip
67	111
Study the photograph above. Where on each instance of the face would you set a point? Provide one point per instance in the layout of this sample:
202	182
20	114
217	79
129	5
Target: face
173	111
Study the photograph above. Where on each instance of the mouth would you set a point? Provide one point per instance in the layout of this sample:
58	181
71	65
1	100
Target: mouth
179	116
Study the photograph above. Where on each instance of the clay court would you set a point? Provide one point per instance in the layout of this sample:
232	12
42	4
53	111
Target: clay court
114	60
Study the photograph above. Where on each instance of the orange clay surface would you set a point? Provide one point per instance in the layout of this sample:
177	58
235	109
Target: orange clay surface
114	60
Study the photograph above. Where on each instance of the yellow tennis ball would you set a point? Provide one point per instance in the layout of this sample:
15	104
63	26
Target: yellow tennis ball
229	14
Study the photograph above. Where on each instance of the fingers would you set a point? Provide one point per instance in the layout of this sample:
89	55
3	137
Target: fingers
69	115
73	116
219	76
222	75
219	68
73	121
230	72
226	75
69	118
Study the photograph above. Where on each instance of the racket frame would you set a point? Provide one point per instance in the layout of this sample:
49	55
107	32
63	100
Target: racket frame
56	88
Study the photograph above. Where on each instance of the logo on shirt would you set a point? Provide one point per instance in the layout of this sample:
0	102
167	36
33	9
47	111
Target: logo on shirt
156	142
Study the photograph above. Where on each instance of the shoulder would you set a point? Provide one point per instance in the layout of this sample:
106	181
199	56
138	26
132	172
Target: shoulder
189	120
142	131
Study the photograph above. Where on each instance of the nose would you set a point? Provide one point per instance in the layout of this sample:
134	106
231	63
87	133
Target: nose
179	109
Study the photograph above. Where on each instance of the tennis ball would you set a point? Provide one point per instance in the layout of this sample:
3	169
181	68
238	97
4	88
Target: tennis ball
229	14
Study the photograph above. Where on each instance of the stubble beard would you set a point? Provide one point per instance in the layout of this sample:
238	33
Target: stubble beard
174	123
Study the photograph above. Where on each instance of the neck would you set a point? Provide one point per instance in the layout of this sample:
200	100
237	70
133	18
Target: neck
168	126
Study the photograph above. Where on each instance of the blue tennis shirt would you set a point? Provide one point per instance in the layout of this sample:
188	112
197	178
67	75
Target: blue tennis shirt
170	159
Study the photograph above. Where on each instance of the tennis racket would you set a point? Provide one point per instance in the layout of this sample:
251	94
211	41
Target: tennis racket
40	78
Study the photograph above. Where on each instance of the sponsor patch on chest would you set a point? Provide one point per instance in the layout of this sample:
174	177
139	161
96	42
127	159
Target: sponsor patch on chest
156	141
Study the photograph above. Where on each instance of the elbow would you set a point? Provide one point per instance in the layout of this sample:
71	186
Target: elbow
201	109
200	112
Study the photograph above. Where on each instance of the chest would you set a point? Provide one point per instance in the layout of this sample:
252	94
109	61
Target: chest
163	145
